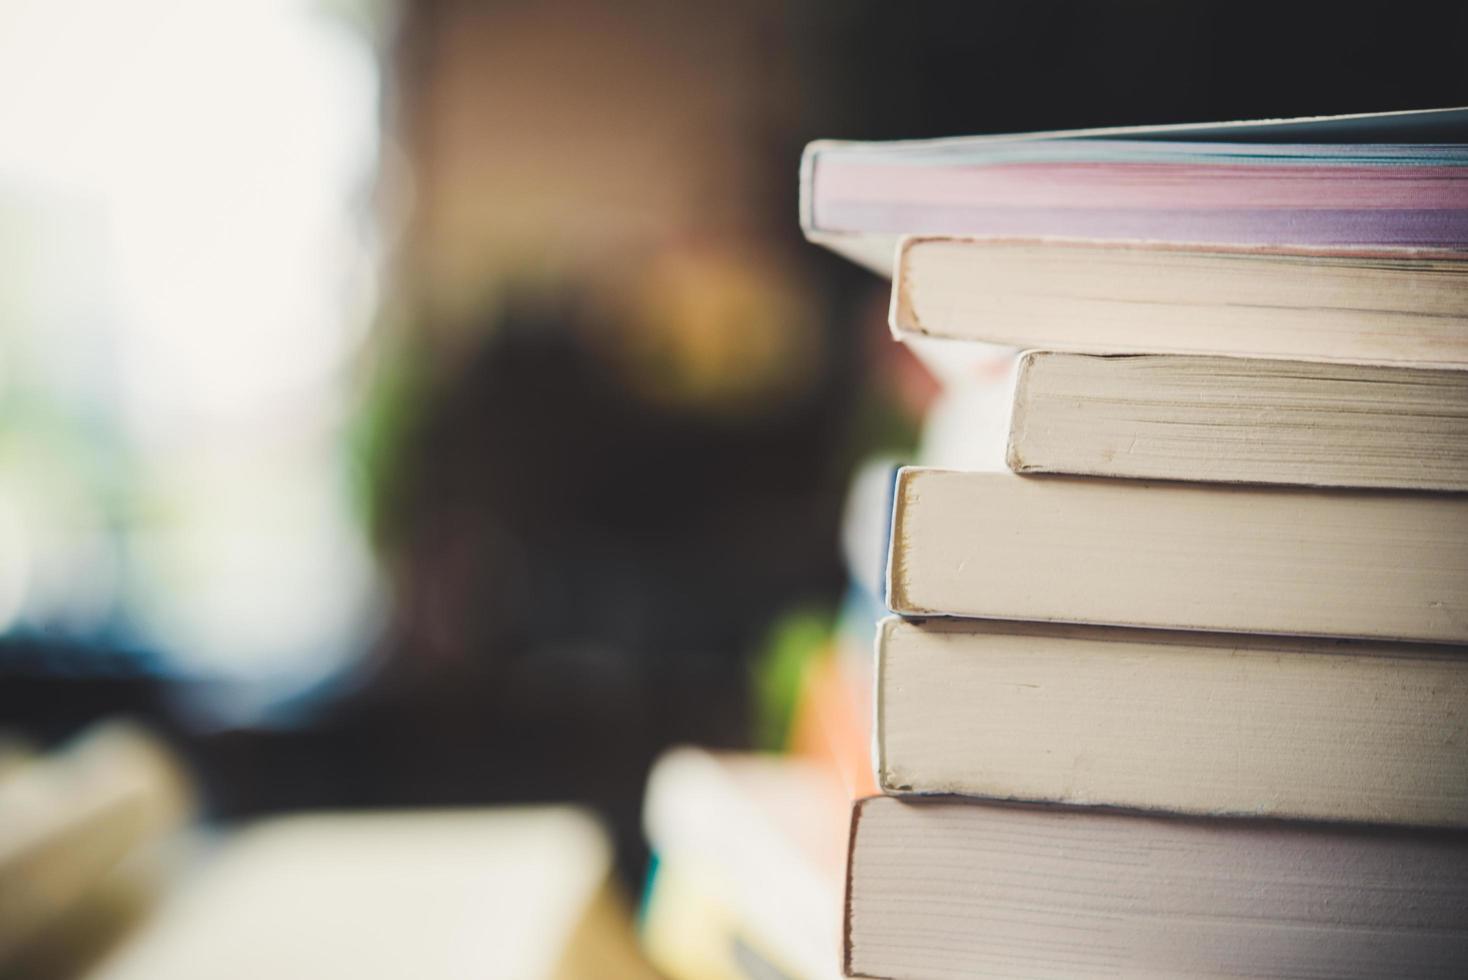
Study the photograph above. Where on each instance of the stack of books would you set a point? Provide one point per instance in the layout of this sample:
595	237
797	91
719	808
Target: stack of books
1177	680
1182	690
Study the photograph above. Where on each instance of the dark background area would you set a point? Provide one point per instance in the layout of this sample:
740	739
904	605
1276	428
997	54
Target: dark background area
585	559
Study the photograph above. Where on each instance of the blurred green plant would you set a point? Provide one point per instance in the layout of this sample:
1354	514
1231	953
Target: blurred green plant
795	640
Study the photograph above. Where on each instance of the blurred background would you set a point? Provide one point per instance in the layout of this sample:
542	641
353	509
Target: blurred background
433	402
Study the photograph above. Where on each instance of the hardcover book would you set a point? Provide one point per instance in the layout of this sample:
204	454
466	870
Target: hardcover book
1380	179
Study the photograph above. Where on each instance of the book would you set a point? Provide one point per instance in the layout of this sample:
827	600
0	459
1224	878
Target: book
1219	419
750	851
690	934
1378	179
79	824
948	889
516	893
1365	305
1347	563
1208	419
1210	724
16	756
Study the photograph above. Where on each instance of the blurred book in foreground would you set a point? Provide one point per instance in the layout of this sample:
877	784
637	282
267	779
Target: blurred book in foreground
523	894
85	834
747	883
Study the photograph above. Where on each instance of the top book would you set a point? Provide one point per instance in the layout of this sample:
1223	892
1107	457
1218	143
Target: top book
1380	180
